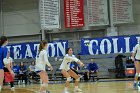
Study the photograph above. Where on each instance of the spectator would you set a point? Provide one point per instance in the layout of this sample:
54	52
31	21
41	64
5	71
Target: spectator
32	71
15	69
92	68
75	67
120	70
22	73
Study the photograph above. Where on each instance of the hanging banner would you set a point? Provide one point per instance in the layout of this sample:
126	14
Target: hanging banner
74	13
108	45
49	14
30	50
121	11
97	12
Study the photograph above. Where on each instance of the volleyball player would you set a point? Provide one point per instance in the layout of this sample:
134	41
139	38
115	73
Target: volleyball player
9	78
3	55
41	62
67	72
136	59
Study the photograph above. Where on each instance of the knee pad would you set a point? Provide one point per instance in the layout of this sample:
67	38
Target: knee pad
45	85
78	79
137	74
69	79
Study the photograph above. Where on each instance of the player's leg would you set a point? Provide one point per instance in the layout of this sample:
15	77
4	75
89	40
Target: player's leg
77	79
66	74
88	74
44	77
97	74
138	62
12	85
136	74
11	78
1	78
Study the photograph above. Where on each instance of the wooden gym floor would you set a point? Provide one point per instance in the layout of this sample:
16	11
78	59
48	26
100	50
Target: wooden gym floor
102	86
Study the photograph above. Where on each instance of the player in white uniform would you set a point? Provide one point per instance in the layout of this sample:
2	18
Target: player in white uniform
41	62
67	72
136	59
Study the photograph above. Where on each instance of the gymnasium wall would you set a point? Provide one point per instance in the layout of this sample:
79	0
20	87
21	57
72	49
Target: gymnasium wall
133	28
21	24
21	17
1	19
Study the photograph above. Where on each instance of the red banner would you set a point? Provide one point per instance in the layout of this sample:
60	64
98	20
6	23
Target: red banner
73	12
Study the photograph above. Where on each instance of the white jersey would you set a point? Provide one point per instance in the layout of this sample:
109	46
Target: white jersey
137	51
42	61
67	60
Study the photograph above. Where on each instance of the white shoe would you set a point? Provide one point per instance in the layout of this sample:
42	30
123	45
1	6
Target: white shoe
41	92
77	90
23	82
44	92
66	91
19	82
13	89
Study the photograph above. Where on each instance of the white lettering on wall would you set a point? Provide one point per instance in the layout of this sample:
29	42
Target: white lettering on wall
28	52
127	44
52	51
90	49
138	40
17	54
8	47
36	48
61	47
102	46
115	46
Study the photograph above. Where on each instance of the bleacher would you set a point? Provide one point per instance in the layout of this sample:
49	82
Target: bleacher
57	76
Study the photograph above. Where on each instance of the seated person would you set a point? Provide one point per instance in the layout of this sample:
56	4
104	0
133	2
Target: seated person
32	73
92	68
16	69
22	73
75	67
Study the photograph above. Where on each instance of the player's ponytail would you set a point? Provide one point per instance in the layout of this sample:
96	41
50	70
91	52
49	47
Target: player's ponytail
3	39
42	45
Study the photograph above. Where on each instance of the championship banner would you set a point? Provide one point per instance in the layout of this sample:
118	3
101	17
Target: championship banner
121	11
49	14
74	13
30	50
97	12
108	45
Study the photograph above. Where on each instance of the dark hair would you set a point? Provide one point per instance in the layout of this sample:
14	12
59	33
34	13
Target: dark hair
33	62
3	39
22	63
67	50
42	45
